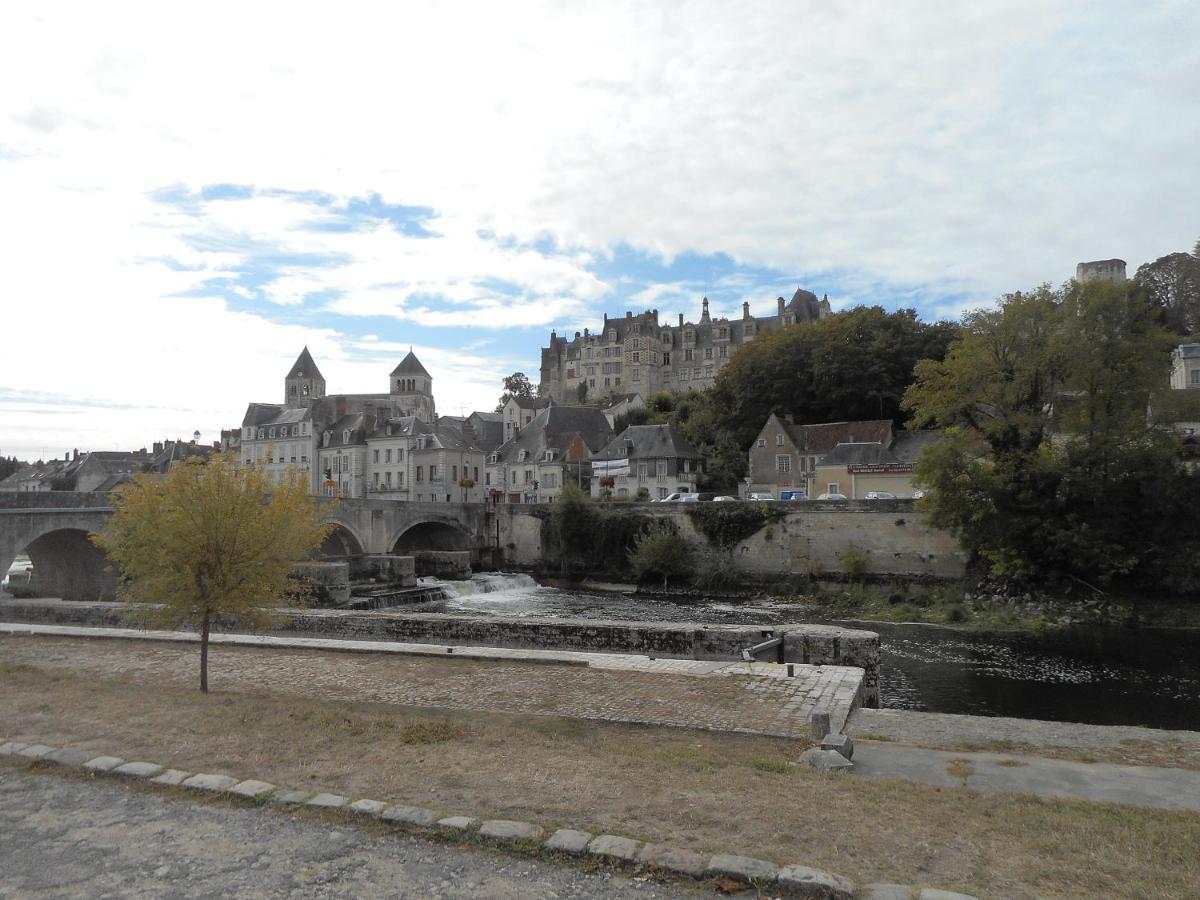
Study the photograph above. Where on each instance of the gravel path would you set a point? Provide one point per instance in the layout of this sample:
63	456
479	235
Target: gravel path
74	838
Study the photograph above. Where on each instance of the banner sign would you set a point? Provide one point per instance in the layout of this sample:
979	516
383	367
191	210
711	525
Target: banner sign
881	469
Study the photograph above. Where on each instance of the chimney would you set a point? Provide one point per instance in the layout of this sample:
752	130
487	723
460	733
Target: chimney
628	314
577	335
745	309
75	454
780	304
681	320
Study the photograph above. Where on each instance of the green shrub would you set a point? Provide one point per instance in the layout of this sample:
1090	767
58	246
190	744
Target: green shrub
727	524
660	551
854	562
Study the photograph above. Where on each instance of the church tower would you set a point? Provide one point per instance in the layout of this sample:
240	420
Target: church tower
412	390
304	383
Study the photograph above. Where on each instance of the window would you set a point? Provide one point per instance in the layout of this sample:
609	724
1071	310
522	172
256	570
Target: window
637	356
762	442
723	351
779	440
272	432
708	371
660	468
487	478
637	376
687	355
666	359
834	488
643	472
387	478
591	382
454	473
529	476
662	493
476	478
493	459
399	454
419	477
708	352
375	456
783	463
550	479
432	472
1195	377
622	492
387	455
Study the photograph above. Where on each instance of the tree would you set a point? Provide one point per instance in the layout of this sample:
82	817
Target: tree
1051	468
211	541
8	465
660	550
1171	286
581	393
515	385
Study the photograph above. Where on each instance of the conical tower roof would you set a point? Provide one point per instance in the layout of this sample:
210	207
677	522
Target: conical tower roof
410	365
304	366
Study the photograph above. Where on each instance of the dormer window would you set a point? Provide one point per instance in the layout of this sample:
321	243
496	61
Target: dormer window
522	456
262	433
346	436
493	459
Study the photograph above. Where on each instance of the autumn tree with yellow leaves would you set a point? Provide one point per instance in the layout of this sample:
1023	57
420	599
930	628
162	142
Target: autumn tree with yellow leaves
211	541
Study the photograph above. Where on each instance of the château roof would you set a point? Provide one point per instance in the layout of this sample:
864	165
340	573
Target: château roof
305	367
649	442
410	365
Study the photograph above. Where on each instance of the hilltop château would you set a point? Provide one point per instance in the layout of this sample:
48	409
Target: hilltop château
639	354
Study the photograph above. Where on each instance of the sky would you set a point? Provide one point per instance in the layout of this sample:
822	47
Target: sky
190	194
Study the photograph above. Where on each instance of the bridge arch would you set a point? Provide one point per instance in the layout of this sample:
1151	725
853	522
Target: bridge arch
430	534
341	543
65	564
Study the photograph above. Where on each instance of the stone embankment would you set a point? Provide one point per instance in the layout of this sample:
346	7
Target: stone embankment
524	837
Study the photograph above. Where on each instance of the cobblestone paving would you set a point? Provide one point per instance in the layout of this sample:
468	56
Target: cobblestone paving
741	703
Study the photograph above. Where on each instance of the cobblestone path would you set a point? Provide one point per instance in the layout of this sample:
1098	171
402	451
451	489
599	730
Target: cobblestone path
740	703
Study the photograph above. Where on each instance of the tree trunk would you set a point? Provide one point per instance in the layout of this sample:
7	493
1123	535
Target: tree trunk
204	653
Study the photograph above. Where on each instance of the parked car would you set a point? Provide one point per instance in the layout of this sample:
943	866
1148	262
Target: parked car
760	495
879	495
724	498
833	497
680	497
793	495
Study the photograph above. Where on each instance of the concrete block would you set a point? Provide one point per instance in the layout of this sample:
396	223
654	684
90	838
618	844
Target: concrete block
509	831
207	782
368	807
252	789
801	881
741	868
410	815
934	894
839	742
886	891
612	846
458	823
568	840
172	776
68	757
674	859
36	751
829	761
138	770
286	795
326	801
103	763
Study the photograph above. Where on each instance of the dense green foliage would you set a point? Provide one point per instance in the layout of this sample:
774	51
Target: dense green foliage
515	385
726	524
659	551
1051	467
582	536
854	365
1171	287
8	465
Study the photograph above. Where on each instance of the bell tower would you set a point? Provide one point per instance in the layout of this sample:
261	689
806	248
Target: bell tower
304	383
411	388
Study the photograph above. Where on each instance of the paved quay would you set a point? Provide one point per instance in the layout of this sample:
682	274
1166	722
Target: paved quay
752	698
66	838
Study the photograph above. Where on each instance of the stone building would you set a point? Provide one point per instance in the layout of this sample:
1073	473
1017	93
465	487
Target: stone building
640	354
785	455
1185	367
647	461
553	448
518	412
1101	270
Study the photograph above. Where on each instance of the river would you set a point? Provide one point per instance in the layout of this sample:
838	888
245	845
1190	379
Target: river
1102	676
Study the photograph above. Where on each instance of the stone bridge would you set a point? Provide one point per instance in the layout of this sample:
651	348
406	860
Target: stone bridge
53	527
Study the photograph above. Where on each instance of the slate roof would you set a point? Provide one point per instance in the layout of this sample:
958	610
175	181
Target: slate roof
1189	351
861	454
557	427
823	437
908	444
410	365
534	402
358	424
405	426
649	442
304	367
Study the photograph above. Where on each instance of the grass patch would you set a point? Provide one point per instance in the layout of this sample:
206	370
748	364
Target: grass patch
771	764
1012	763
704	790
960	768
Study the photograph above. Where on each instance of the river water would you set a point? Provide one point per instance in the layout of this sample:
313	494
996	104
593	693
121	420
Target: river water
1102	676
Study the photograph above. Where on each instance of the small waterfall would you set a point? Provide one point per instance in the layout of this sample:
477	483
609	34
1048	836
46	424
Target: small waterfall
481	583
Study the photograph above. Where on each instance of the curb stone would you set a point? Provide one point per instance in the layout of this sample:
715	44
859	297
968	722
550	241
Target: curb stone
794	880
741	868
410	815
252	789
138	770
568	840
103	763
458	823
805	882
509	831
612	846
67	757
367	807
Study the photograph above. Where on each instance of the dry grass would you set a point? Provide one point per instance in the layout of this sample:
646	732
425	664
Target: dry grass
960	768
1166	752
703	790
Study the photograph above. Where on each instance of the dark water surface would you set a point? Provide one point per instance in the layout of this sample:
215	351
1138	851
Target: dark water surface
1100	676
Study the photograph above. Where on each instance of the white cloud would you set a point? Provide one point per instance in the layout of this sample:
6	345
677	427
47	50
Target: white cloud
929	149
